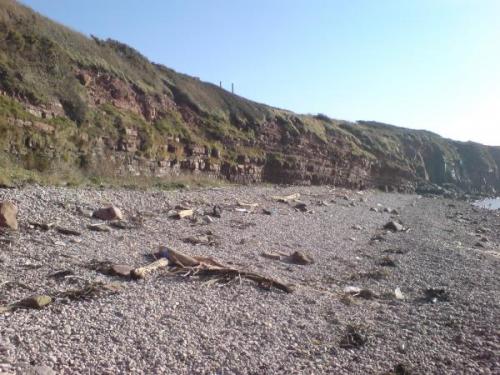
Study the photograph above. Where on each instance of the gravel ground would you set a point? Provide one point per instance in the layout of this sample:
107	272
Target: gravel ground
183	325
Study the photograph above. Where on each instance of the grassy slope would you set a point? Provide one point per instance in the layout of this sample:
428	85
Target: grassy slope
39	58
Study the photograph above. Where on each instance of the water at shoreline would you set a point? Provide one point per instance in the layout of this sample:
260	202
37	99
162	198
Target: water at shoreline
489	203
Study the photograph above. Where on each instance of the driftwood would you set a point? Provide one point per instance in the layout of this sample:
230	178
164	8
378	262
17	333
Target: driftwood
247	205
286	198
184	213
141	272
208	267
232	273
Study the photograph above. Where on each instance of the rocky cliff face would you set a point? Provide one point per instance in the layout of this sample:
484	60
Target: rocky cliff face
101	107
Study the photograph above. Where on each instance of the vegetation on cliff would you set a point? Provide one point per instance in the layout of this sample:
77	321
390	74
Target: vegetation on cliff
70	102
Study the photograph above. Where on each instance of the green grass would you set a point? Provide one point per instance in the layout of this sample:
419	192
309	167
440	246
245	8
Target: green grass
39	65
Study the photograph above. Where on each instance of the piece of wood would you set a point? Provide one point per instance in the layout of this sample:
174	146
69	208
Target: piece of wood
247	205
262	280
184	213
142	272
179	259
286	198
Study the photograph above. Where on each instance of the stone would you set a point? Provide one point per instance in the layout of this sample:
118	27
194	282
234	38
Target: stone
301	206
8	215
299	257
217	211
354	337
359	292
388	262
68	232
36	302
352	289
394	226
434	295
269	212
398	294
108	213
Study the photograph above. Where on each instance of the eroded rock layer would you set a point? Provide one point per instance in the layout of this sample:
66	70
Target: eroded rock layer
98	106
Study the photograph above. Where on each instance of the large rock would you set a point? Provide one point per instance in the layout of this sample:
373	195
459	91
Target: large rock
108	213
8	215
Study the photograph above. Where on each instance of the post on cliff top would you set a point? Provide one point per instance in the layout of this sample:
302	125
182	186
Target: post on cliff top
232	88
220	84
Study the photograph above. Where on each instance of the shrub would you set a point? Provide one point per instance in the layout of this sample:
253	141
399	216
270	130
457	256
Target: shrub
75	108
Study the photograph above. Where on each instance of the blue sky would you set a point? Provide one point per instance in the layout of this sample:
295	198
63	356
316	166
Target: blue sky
425	64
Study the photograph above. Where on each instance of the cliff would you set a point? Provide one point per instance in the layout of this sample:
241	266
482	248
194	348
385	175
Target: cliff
99	106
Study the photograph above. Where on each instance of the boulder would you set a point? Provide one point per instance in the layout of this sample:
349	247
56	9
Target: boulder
108	213
8	215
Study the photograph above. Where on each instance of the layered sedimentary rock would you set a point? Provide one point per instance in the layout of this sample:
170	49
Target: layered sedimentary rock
68	101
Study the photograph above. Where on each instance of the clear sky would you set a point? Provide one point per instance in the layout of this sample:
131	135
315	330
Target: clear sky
425	64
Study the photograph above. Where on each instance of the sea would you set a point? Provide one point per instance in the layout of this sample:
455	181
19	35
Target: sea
490	203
